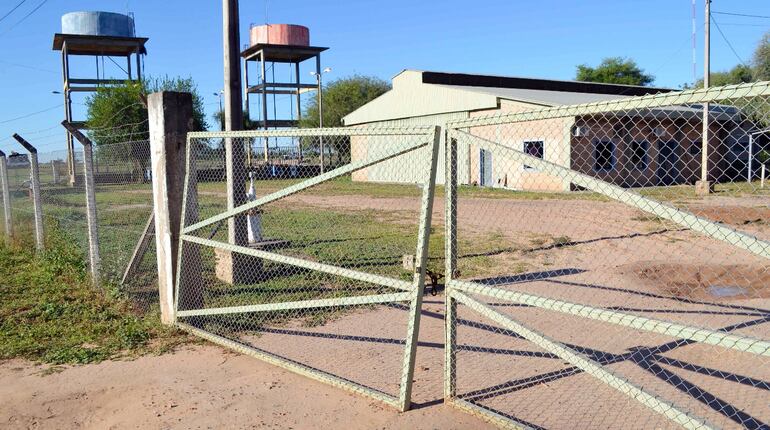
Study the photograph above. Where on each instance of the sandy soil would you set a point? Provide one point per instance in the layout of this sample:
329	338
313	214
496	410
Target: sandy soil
610	256
202	387
613	257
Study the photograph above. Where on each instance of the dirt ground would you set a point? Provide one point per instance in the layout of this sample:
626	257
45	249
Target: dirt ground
607	255
206	387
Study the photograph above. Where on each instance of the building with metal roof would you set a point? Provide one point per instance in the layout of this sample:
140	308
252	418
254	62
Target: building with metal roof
635	148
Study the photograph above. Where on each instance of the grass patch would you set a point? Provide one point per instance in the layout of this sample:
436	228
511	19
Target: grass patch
50	312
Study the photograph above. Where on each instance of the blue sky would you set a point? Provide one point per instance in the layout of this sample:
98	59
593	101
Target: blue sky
545	38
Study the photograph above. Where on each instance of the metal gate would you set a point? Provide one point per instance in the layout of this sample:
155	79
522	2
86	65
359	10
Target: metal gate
300	264
587	293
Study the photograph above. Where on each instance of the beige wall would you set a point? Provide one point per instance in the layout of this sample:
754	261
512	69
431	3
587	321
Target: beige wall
560	147
410	168
507	173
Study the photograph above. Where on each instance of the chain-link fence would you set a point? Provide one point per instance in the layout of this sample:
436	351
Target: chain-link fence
607	263
614	273
302	273
123	207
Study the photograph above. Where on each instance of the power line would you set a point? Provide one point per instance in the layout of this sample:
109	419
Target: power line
728	42
31	114
739	24
25	17
26	67
11	11
742	14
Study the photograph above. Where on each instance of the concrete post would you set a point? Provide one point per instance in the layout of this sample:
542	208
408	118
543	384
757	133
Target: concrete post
170	118
93	222
234	148
450	270
6	195
54	172
37	208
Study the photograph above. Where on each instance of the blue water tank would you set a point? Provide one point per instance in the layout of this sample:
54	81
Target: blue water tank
98	24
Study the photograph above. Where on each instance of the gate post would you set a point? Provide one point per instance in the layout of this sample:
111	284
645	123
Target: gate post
450	260
6	195
93	222
170	119
34	171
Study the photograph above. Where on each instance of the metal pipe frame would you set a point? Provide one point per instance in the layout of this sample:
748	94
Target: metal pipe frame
681	217
456	291
349	168
301	304
302	263
332	131
292	366
697	334
714	94
587	365
412	291
418	281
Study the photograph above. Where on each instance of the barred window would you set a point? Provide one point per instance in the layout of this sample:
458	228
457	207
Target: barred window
639	154
604	155
534	148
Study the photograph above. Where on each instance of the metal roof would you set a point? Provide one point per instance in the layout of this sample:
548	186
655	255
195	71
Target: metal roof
541	97
421	93
494	81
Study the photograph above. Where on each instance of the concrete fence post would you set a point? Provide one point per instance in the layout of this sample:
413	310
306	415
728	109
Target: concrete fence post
170	119
93	223
6	195
450	270
34	170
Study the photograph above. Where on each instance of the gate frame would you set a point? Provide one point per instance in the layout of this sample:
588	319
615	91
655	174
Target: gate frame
412	291
458	291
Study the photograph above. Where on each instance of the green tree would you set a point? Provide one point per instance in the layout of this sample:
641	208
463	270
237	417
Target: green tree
248	123
340	97
739	74
614	70
118	114
761	59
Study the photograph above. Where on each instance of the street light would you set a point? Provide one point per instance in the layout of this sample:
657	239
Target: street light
222	118
320	110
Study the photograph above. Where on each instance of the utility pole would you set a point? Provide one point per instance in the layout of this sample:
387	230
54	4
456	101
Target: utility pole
694	45
703	187
234	148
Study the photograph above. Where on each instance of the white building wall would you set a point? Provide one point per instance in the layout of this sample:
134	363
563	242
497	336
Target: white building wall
410	168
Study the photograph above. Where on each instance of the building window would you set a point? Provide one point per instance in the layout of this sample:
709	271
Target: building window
639	157
535	149
695	147
604	155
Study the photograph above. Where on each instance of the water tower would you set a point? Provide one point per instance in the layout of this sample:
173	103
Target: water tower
272	44
99	35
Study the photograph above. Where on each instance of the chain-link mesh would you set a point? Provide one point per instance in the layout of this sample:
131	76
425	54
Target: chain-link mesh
605	278
317	272
123	195
123	180
20	196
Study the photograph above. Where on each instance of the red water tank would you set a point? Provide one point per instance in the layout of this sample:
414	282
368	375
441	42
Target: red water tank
280	34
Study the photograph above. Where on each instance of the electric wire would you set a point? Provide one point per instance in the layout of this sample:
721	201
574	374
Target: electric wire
716	24
31	114
24	18
741	14
13	9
